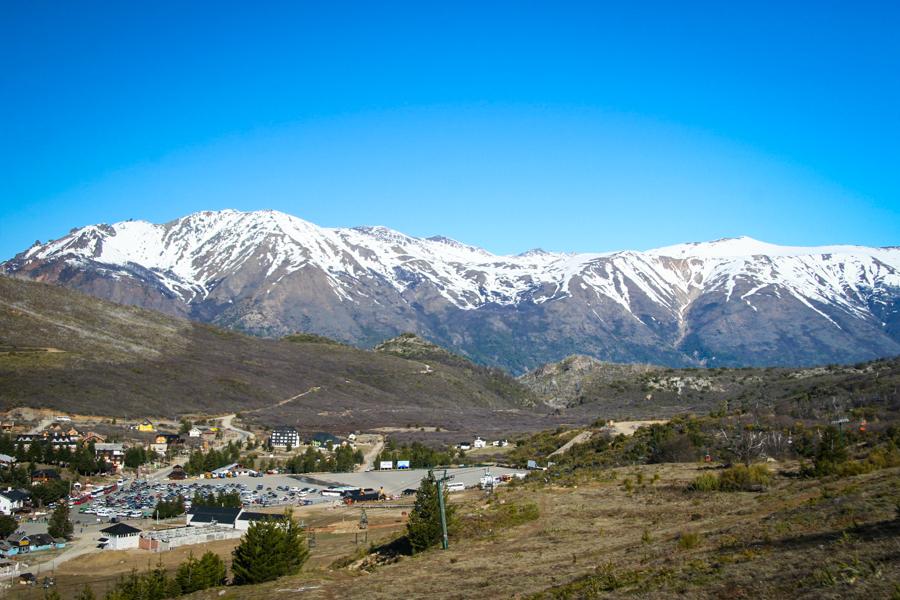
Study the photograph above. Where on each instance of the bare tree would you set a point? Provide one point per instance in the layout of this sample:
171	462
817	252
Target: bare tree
744	443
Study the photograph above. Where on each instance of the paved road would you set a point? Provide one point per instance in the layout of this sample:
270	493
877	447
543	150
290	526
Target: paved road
226	423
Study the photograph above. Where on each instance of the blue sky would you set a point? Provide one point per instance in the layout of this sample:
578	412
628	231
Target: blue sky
509	125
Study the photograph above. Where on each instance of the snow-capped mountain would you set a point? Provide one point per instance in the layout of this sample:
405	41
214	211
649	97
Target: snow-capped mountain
728	302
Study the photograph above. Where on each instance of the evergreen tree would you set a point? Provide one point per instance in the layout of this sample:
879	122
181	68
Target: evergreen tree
187	576
212	569
60	526
268	550
423	529
8	525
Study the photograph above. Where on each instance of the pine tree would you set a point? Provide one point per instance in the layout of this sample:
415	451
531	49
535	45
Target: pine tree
268	550
423	529
212	569
187	577
255	559
60	526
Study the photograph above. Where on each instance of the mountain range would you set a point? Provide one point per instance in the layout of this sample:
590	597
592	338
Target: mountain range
731	302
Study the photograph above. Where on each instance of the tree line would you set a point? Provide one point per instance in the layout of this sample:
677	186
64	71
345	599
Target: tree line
202	462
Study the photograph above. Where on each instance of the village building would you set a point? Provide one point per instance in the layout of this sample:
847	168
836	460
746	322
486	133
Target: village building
173	537
12	501
213	515
120	537
321	438
6	460
21	543
112	453
44	475
9	569
194	432
284	436
92	437
177	473
145	426
479	443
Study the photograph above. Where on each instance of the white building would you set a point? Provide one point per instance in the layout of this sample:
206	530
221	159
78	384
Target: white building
479	443
284	437
120	537
195	432
12	500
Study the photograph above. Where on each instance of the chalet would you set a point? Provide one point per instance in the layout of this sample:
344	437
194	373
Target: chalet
322	438
194	432
167	438
61	430
479	443
464	446
12	501
7	425
114	454
177	473
92	437
120	537
145	426
44	475
284	436
205	515
57	439
164	441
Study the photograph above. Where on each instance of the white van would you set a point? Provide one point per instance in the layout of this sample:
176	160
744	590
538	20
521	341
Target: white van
456	486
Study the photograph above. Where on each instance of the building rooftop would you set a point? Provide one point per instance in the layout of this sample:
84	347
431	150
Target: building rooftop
120	529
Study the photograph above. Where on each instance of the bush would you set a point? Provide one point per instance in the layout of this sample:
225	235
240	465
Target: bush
689	540
485	522
706	482
741	478
735	479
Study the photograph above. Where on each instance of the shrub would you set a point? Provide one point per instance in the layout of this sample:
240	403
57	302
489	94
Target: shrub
741	478
735	479
706	482
689	540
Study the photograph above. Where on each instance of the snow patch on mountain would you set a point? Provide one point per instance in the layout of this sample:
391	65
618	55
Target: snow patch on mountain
193	254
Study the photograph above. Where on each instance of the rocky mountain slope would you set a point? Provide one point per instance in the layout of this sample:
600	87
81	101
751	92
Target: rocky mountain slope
730	302
67	351
583	386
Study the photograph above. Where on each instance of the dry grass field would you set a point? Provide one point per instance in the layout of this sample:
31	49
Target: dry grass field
639	532
631	531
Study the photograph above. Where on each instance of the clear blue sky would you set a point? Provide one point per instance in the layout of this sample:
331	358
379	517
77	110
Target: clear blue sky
568	126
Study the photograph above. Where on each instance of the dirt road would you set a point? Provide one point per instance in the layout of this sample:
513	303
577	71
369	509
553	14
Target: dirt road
370	456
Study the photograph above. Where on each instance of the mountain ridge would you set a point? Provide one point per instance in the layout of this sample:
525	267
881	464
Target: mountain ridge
734	302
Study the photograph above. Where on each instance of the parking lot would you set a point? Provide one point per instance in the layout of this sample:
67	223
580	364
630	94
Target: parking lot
136	499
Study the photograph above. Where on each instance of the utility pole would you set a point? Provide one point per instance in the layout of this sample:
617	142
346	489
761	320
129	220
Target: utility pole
445	543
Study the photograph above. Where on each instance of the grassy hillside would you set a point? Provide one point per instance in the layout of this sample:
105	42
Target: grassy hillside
580	385
63	350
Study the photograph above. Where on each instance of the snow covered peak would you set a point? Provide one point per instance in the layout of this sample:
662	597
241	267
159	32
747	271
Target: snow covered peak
745	246
194	254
